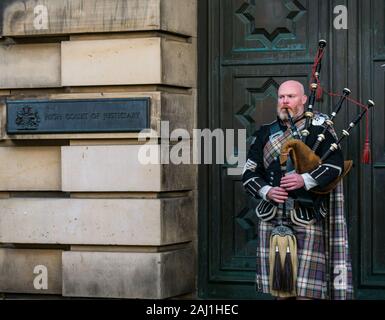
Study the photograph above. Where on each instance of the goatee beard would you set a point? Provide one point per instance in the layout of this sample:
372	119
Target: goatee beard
282	114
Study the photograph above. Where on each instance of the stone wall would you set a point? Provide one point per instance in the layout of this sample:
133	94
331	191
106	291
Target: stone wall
80	216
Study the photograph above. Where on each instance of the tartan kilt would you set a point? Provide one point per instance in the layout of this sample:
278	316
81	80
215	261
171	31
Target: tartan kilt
312	265
324	264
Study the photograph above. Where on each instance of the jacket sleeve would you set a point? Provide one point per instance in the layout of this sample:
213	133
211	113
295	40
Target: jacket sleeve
332	167
253	171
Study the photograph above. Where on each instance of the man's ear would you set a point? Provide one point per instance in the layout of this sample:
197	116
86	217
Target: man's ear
304	99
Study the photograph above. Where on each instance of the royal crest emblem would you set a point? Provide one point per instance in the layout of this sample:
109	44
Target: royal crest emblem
27	119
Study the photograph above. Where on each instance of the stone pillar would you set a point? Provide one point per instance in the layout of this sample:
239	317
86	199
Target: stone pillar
80	215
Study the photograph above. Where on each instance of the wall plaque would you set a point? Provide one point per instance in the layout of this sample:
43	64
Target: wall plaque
77	116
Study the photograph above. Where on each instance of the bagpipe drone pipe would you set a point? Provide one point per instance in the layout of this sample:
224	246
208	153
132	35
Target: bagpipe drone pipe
304	157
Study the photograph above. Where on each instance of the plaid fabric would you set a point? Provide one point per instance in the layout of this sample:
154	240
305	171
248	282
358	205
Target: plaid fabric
324	265
312	267
272	148
338	256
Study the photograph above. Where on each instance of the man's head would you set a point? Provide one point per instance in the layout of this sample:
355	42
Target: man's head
291	96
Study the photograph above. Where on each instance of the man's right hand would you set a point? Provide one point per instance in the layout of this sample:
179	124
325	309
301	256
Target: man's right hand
277	194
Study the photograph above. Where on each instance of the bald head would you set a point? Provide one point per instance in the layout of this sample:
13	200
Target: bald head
291	96
293	84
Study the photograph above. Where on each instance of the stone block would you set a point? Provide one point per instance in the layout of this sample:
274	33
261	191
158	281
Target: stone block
121	168
30	65
151	222
139	61
47	17
31	271
184	16
179	63
128	274
30	169
5	93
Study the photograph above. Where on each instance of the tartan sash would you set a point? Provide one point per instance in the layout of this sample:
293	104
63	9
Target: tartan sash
272	148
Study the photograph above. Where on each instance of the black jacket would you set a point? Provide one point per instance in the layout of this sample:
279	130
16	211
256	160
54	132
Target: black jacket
255	176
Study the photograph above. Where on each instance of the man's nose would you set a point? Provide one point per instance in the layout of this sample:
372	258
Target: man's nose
285	100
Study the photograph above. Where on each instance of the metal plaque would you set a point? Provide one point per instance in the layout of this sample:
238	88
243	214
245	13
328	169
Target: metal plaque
78	116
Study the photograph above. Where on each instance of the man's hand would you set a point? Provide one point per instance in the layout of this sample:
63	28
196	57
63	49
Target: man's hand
277	194
292	181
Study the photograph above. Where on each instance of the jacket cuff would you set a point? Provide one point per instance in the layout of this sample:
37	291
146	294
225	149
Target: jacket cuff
264	191
309	181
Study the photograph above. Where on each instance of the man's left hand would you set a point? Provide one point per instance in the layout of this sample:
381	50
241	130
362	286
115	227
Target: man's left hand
292	181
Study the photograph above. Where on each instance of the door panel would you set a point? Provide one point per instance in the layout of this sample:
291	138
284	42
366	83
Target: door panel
253	46
371	267
253	30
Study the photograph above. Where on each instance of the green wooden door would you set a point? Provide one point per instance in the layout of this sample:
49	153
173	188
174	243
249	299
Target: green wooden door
247	48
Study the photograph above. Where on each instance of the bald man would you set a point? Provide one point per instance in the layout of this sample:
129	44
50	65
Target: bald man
263	179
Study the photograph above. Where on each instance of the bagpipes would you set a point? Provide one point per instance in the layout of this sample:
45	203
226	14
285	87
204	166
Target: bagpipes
283	245
303	156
